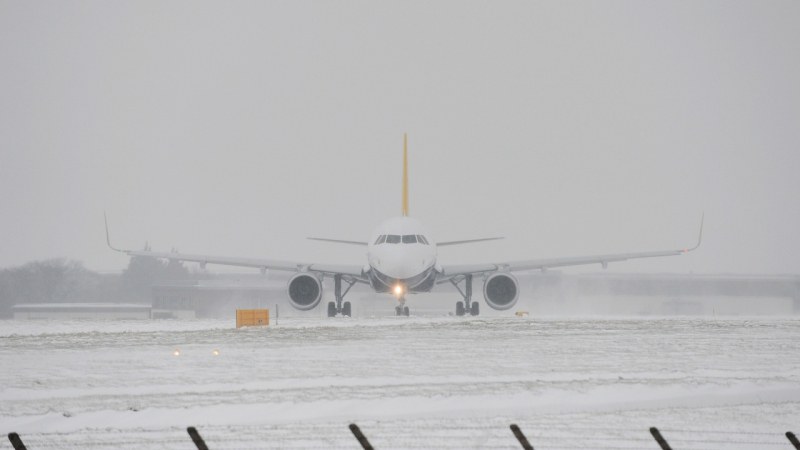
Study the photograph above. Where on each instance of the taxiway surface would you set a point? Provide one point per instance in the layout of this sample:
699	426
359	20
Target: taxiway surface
408	382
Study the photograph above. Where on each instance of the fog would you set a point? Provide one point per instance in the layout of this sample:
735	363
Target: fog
241	128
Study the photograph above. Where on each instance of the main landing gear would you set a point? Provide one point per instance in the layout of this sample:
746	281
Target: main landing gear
401	309
340	306
467	306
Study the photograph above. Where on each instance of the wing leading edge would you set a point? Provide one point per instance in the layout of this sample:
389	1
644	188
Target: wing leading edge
449	272
256	263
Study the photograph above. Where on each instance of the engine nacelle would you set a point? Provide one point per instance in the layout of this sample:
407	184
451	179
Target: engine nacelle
305	291
501	291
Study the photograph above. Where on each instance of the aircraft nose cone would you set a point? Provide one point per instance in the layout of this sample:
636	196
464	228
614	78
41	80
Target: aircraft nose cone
400	269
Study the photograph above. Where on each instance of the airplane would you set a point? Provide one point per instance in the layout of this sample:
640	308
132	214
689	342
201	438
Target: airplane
402	260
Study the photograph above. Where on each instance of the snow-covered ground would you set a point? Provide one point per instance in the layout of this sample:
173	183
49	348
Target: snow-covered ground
408	382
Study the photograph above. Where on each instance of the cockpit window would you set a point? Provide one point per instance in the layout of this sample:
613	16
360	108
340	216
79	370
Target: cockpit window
421	239
381	239
393	239
409	239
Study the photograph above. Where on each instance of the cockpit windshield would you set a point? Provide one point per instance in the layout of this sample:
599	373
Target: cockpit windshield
405	239
393	239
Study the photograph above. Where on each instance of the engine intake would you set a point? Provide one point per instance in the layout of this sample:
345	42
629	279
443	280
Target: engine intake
501	291
305	291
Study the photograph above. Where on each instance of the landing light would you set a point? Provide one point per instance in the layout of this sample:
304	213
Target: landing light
176	352
398	290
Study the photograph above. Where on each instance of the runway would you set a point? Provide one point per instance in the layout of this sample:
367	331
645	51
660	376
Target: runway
434	382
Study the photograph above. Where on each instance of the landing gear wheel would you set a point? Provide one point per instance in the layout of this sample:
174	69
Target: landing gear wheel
467	306
339	307
398	310
405	311
331	309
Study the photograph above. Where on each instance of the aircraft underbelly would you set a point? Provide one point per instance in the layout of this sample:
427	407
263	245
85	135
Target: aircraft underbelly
422	282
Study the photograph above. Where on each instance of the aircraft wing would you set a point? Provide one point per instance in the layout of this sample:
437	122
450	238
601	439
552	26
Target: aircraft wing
266	264
353	271
256	263
449	272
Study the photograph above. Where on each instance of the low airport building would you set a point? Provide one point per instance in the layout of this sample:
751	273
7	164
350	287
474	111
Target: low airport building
88	311
220	296
612	293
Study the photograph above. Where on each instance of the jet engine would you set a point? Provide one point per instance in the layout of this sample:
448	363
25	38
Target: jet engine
501	291
305	291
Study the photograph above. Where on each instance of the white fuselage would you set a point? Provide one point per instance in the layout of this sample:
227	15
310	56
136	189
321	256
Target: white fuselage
401	257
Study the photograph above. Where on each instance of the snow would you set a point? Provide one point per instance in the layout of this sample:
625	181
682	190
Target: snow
407	382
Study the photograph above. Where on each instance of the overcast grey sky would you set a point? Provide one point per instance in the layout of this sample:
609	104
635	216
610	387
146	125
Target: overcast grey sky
240	128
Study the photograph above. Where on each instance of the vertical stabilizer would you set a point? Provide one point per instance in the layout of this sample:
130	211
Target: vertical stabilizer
405	174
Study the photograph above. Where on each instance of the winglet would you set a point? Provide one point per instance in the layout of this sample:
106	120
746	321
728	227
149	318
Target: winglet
699	237
108	239
405	174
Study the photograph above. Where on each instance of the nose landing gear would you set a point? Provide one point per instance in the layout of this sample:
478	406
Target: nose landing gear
401	309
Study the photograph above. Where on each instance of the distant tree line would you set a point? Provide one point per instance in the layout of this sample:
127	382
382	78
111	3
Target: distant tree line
68	281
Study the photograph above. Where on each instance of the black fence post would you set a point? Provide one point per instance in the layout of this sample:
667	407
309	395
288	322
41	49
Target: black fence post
16	441
198	441
660	439
360	436
523	441
793	439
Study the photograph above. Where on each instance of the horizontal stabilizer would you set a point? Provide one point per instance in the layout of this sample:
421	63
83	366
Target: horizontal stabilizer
468	241
338	241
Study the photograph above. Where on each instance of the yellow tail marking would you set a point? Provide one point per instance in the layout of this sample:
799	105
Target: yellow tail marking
405	174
